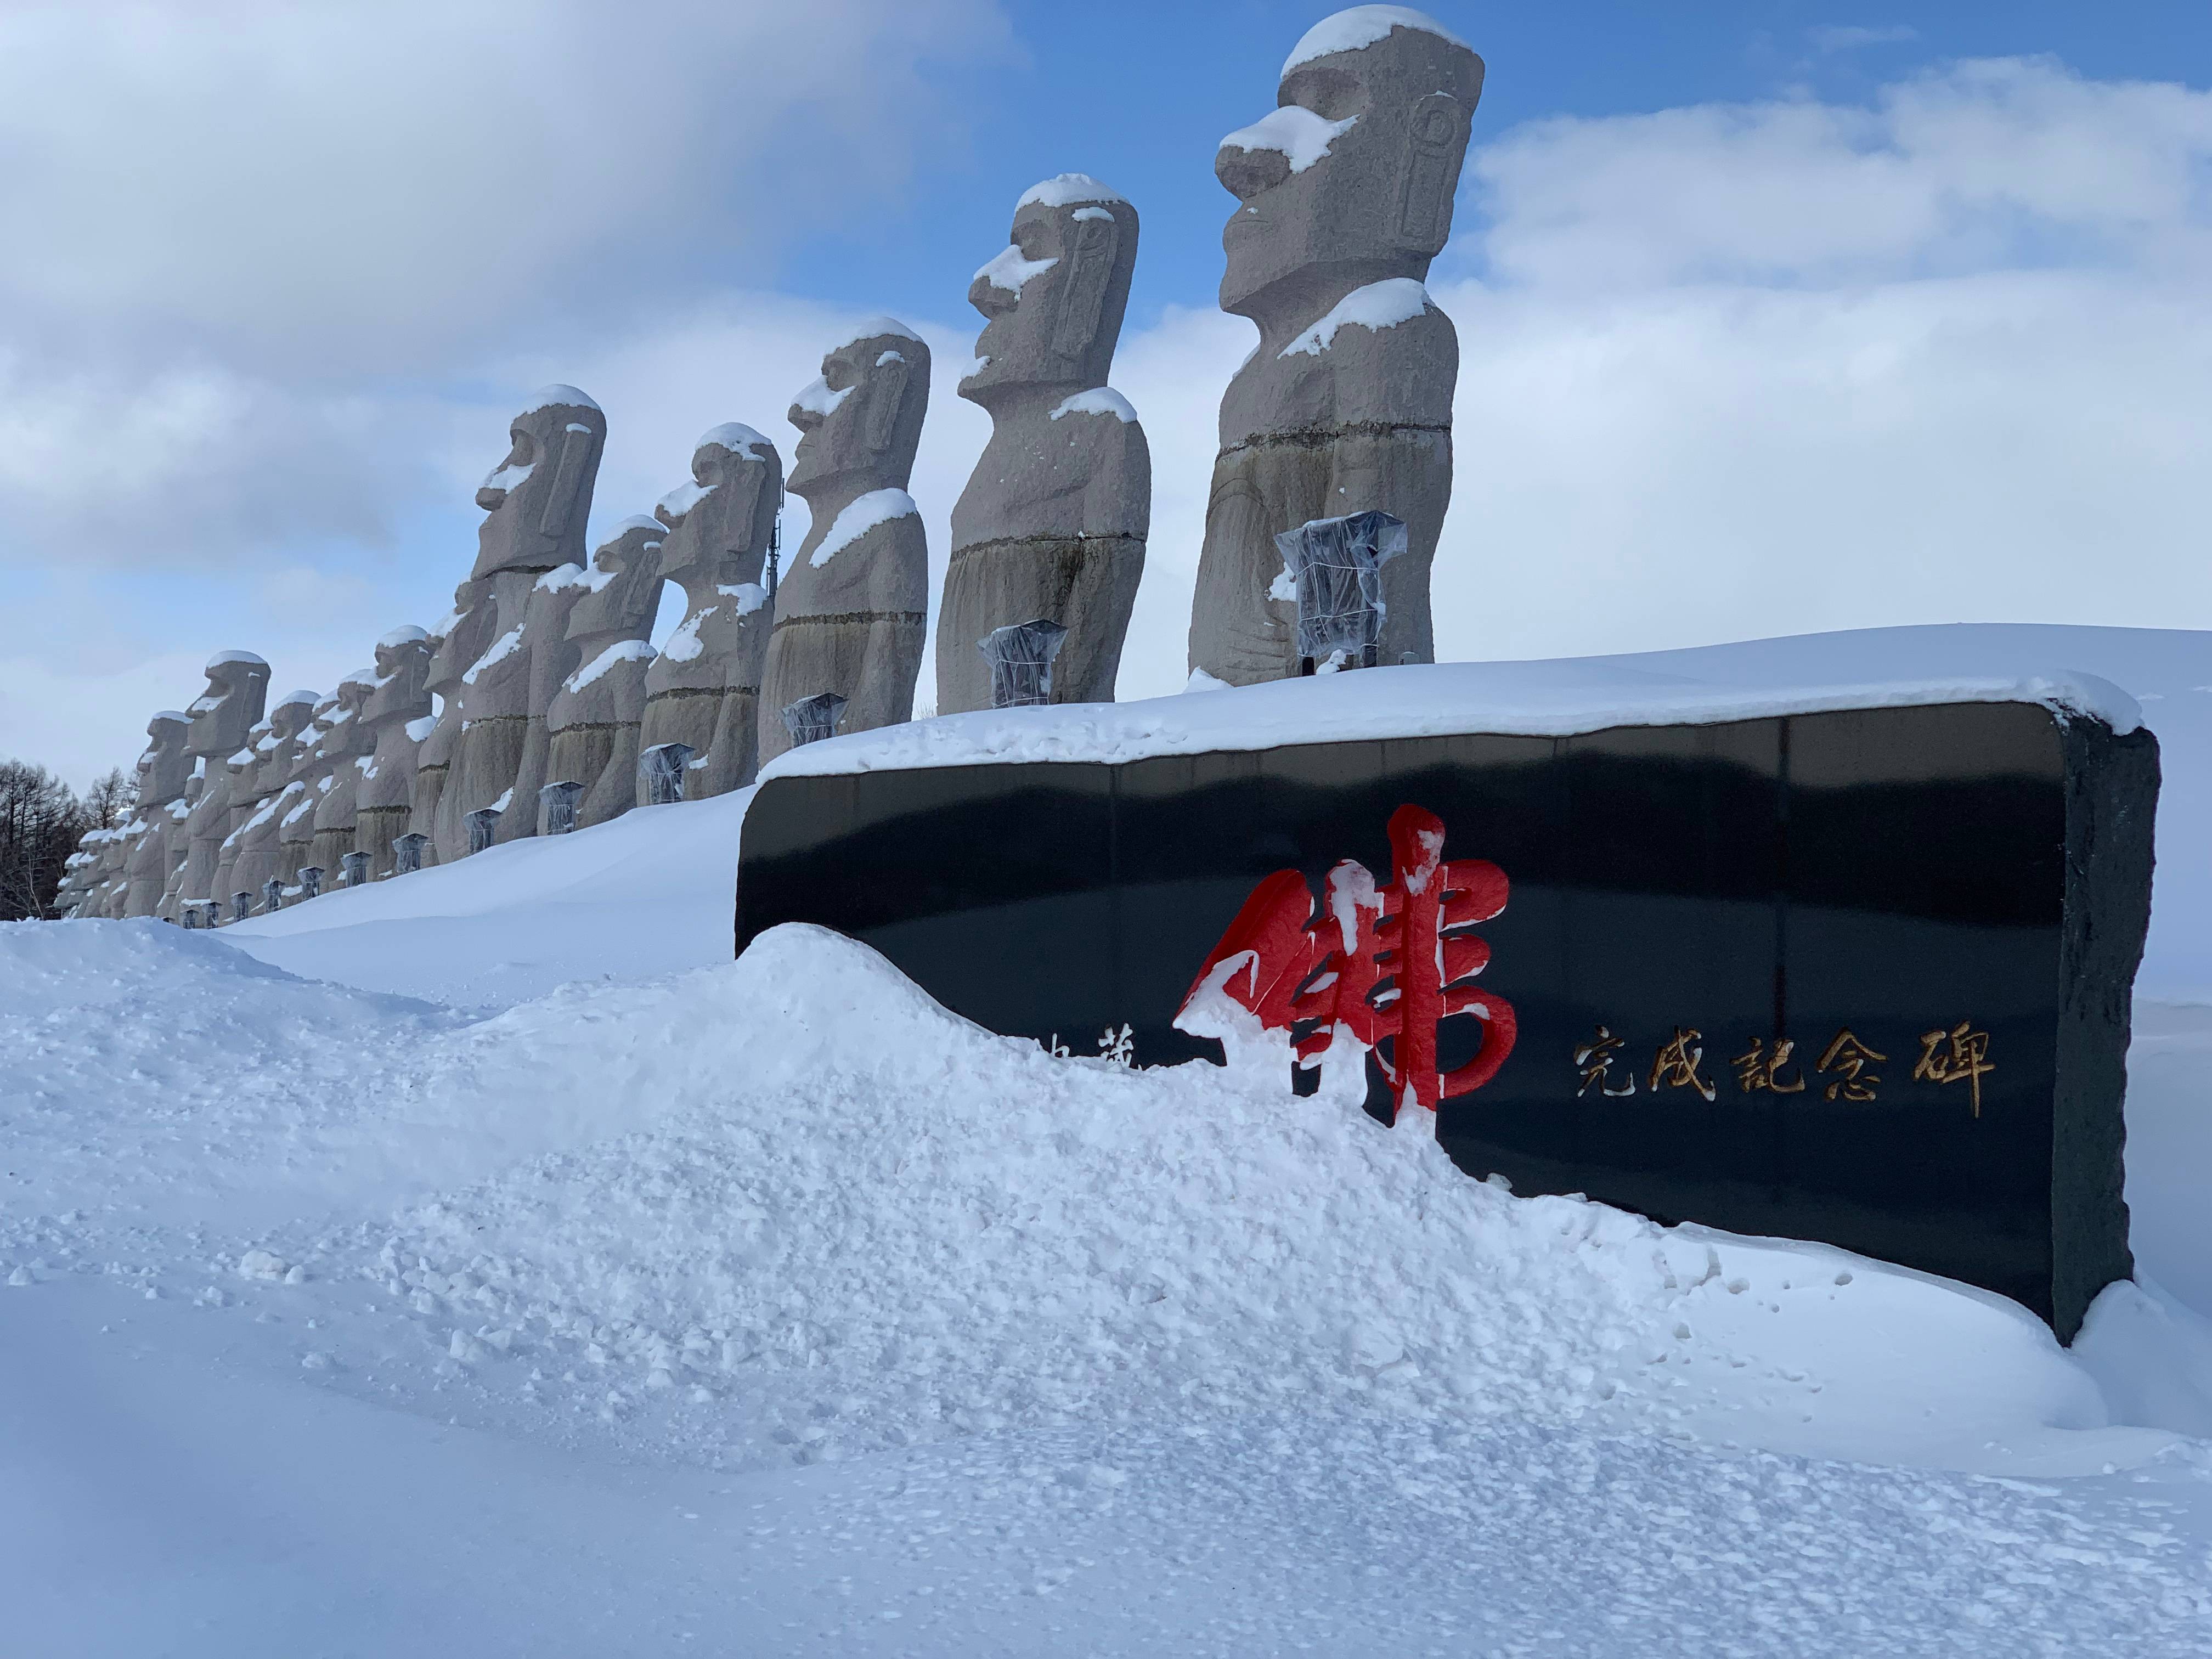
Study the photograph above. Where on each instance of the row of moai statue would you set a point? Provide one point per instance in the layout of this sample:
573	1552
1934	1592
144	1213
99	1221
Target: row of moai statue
540	705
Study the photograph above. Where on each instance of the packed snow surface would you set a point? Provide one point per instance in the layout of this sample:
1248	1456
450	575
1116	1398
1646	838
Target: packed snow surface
1378	306
858	517
1358	27
1097	400
484	1262
557	396
1064	188
1301	137
739	438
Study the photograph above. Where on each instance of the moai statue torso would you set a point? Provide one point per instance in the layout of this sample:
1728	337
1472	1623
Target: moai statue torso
350	748
285	750
455	645
222	719
315	772
1346	195
163	771
704	690
595	713
397	718
1054	519
246	768
536	504
852	606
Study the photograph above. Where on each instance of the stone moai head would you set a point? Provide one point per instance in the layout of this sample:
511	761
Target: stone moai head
315	738
403	659
860	424
346	727
727	511
1056	296
289	717
463	637
538	498
1351	179
625	560
226	713
168	761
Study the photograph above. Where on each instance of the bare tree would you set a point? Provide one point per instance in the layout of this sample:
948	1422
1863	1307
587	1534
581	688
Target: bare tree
40	821
111	799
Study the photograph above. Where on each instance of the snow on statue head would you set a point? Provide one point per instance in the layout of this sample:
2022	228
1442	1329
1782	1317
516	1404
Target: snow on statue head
238	687
1055	294
860	424
1351	179
538	497
719	525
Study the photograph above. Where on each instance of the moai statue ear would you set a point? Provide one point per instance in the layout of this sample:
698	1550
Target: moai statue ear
568	482
1429	175
1082	293
885	400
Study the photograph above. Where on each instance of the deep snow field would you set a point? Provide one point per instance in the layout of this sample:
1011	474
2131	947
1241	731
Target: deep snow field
482	1263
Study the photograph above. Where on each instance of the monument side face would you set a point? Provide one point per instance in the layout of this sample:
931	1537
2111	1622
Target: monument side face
1861	977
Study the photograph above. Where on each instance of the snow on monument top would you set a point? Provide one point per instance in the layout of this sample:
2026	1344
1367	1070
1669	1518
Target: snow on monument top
635	521
1359	28
874	328
1523	699
1066	188
557	396
405	634
737	437
221	657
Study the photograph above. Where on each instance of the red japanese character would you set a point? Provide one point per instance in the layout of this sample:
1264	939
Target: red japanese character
1376	962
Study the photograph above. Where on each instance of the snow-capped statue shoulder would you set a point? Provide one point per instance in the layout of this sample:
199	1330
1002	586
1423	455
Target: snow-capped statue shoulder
1358	27
737	437
419	730
559	577
504	646
1098	400
875	328
620	651
877	506
1378	306
405	634
556	396
1299	134
1066	188
245	656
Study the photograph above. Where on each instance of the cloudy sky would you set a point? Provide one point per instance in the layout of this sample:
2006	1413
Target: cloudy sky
1773	319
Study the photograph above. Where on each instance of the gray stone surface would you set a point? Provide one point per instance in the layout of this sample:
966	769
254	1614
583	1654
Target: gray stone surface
596	712
465	635
398	718
315	773
850	610
150	838
253	853
703	690
553	657
223	718
349	750
535	504
1054	519
244	768
1344	196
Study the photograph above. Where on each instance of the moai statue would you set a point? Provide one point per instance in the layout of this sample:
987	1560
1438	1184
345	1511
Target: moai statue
238	687
455	645
287	750
111	886
595	713
704	690
350	750
853	604
535	504
245	769
1053	522
163	771
398	720
1345	195
554	656
315	774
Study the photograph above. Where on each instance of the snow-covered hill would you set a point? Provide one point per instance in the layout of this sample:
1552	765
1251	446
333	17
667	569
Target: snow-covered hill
487	1264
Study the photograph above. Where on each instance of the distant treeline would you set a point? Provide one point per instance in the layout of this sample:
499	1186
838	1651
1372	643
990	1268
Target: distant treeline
41	819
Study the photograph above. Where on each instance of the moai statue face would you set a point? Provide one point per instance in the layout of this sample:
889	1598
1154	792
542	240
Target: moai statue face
625	567
167	762
227	713
1351	179
403	661
860	424
1056	296
346	727
315	745
727	511
539	496
288	719
468	632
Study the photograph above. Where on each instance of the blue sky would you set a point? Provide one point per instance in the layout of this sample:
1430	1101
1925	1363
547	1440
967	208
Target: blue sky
1772	318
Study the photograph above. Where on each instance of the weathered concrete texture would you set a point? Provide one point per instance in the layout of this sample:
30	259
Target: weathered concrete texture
595	713
703	690
852	608
536	504
349	750
253	851
455	645
315	773
143	855
553	657
1345	195
396	717
246	768
223	718
1053	520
